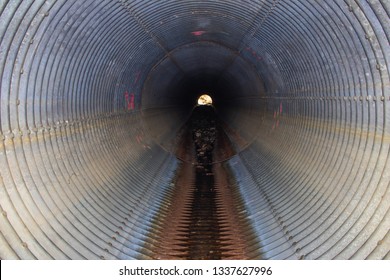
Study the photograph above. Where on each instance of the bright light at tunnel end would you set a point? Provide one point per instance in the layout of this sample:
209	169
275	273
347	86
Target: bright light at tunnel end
205	99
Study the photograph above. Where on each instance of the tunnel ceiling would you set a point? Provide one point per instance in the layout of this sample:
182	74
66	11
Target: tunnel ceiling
93	94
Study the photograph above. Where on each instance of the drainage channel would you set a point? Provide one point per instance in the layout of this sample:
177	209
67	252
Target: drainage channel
203	218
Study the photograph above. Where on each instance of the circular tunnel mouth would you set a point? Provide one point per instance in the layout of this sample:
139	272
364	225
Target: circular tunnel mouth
94	96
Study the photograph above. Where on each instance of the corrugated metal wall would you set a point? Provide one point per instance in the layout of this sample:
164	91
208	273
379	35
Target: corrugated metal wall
93	93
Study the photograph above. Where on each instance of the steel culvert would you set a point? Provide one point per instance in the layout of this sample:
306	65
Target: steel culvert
94	93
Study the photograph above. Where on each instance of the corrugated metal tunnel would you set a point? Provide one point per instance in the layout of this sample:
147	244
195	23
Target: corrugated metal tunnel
94	93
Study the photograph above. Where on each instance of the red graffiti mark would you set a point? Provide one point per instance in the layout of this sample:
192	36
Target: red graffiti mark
277	116
132	101
198	33
253	53
130	106
129	100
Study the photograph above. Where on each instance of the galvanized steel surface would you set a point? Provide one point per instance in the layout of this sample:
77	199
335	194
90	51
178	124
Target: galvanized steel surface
93	93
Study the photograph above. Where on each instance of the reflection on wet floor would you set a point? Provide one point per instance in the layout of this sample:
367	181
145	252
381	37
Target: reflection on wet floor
204	241
203	220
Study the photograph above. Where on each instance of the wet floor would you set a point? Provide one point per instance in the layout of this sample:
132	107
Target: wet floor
203	220
204	232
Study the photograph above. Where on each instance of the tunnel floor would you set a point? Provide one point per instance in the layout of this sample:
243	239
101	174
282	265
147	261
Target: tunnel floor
204	219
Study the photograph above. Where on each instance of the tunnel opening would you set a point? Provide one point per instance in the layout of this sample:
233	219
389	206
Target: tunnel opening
94	101
205	99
